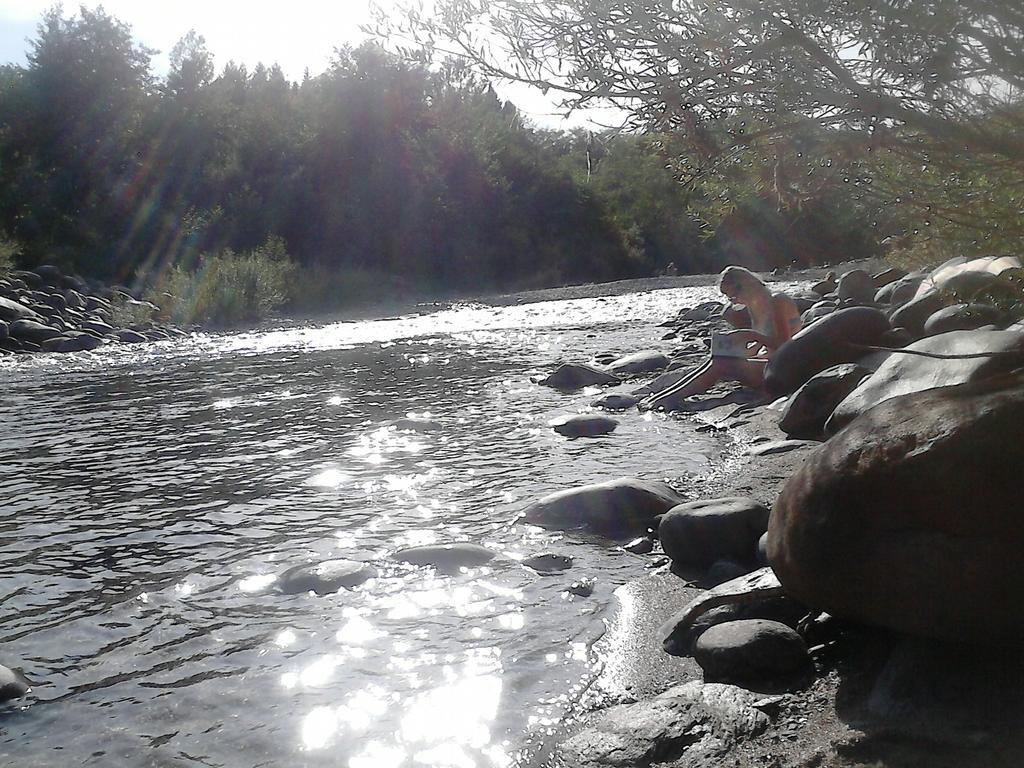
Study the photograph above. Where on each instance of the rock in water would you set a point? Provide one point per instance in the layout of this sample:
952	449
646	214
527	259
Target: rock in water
648	361
701	532
13	685
548	562
584	425
904	373
325	578
836	338
32	331
619	509
415	425
910	517
750	649
616	402
574	376
446	558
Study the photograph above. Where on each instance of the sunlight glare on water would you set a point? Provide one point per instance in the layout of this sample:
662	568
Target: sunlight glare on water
152	496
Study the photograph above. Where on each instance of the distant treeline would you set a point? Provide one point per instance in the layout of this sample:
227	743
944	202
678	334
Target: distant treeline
376	166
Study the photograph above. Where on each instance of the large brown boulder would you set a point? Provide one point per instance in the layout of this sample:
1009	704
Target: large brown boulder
910	518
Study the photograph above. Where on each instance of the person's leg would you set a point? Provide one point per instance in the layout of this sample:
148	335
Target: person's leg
749	373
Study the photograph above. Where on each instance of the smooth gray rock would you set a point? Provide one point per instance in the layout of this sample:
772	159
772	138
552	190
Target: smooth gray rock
4	333
325	578
903	373
584	425
915	312
574	376
129	336
750	649
961	317
838	338
774	447
74	299
13	685
647	361
887	276
446	558
32	331
856	285
548	562
699	313
824	287
678	635
11	311
698	533
616	402
810	406
687	724
910	517
99	327
71	341
619	509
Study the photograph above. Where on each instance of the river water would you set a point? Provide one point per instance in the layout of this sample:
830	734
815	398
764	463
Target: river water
149	494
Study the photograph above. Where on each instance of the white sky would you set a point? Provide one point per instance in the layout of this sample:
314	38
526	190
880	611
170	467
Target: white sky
295	34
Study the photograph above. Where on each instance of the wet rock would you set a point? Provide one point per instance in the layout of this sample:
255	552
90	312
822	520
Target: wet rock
130	337
446	558
837	338
32	331
548	562
97	327
584	425
909	518
74	299
13	685
961	317
687	724
616	402
72	341
619	509
648	361
582	588
640	546
810	406
903	373
4	333
325	578
700	532
574	376
415	425
749	650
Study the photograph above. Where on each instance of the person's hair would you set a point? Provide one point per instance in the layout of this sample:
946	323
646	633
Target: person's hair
741	278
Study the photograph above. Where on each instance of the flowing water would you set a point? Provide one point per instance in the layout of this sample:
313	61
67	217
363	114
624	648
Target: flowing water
149	494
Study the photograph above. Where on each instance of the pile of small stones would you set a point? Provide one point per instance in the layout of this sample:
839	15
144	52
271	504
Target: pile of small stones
44	310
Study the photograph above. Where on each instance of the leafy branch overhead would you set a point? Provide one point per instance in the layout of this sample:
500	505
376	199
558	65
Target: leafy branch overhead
780	84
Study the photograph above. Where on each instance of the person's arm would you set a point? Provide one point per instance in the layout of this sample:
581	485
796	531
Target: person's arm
785	320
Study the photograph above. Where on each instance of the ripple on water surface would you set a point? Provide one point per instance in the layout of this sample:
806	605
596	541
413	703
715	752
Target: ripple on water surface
150	496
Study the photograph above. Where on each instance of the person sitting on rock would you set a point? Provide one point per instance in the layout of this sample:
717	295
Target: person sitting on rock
739	355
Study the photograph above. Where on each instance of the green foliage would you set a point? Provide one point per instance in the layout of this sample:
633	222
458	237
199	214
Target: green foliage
9	251
228	289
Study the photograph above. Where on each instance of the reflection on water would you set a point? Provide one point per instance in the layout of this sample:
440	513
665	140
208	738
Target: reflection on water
149	497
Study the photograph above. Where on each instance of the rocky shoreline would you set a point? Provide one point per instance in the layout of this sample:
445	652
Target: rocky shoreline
44	310
857	686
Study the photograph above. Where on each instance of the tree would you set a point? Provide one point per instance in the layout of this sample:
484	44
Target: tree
191	65
781	86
